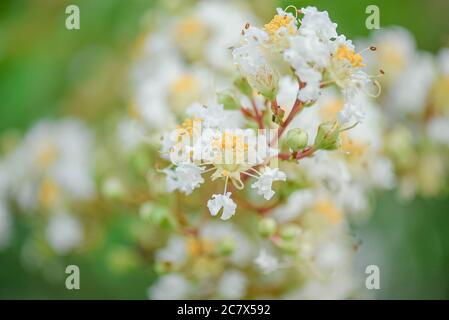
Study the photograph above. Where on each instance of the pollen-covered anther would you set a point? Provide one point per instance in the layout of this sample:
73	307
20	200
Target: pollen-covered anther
345	53
278	22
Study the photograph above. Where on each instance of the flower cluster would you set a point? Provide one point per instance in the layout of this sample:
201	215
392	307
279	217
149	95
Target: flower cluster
245	153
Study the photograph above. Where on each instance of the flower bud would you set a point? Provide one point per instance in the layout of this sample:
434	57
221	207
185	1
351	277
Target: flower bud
297	139
113	188
288	247
156	215
327	137
290	232
244	87
267	227
228	101
226	246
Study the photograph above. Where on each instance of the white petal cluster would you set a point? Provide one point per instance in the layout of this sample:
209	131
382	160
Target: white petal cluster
265	181
185	178
219	202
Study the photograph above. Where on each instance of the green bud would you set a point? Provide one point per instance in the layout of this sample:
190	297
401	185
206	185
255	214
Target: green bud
140	161
297	139
156	215
267	227
113	188
228	101
327	137
163	267
226	246
288	247
290	232
244	87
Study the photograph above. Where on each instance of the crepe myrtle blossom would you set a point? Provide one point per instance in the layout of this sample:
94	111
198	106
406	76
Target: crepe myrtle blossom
52	165
218	139
200	145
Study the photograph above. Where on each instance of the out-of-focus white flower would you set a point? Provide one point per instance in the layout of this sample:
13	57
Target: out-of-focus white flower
52	164
222	201
170	287
217	232
351	114
5	225
438	130
417	78
232	285
64	232
131	134
443	61
174	253
395	51
265	181
185	177
287	94
214	116
267	262
297	203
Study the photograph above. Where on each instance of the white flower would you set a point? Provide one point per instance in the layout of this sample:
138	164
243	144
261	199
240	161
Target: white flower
53	163
443	61
266	262
5	225
219	201
64	232
174	253
318	22
131	134
185	177
232	285
350	114
215	116
417	78
287	94
297	203
250	58
263	185
438	130
170	287
217	231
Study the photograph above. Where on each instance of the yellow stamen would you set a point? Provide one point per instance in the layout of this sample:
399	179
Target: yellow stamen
197	247
47	156
330	109
48	193
350	147
185	83
344	53
278	22
329	210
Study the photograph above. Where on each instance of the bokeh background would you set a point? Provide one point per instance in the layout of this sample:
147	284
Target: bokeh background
49	71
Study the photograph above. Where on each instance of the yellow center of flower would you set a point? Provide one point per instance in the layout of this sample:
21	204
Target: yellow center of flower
329	210
188	125
344	53
330	109
133	111
231	142
189	27
184	84
48	193
197	247
278	22
350	147
47	156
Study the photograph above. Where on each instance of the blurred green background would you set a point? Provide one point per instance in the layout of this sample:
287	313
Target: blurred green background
47	70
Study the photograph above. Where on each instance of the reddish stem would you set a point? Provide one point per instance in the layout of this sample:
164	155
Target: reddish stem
297	107
258	115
